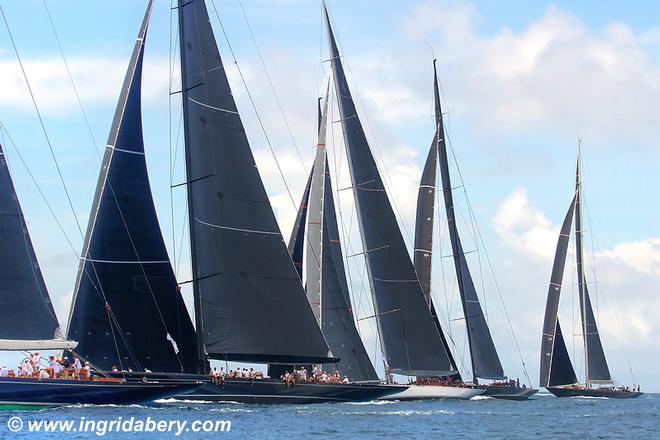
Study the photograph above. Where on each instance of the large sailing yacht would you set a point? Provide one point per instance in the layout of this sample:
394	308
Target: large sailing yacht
484	359
557	374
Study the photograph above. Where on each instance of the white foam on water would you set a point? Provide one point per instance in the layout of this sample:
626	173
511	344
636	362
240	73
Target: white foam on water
173	400
372	402
482	398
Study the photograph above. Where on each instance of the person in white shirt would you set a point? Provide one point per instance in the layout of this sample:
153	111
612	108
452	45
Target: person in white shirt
76	363
26	368
43	374
3	371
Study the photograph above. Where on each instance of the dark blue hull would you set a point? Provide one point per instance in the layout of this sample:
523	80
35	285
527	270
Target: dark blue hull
46	392
275	391
508	392
593	392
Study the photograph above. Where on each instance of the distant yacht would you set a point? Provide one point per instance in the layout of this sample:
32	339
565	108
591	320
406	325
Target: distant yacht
557	374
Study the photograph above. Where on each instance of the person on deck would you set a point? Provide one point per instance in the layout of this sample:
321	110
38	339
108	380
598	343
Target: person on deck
56	366
4	372
34	360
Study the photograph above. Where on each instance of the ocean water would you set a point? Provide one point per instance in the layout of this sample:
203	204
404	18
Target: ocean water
543	416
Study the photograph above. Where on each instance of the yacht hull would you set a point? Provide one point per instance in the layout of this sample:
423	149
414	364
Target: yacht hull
427	392
593	392
275	391
508	392
17	393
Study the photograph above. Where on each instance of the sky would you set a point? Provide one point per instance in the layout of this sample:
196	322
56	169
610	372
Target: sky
520	83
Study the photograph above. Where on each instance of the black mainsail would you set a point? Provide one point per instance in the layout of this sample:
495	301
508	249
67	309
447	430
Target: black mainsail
249	301
596	369
423	250
485	361
127	309
409	339
556	367
27	317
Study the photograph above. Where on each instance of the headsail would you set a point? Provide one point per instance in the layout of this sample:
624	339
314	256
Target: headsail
27	317
550	343
249	302
297	239
485	361
597	370
127	307
561	369
410	341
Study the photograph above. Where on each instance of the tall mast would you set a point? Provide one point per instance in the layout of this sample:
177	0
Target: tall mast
202	364
483	355
580	259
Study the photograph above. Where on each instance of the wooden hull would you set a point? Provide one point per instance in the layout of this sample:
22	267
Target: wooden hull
34	393
427	392
593	392
508	392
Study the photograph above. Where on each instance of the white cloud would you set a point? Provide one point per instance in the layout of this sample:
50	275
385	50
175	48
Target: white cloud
98	81
643	256
524	227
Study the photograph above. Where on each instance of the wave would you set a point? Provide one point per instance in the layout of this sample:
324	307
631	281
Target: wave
482	398
372	402
174	400
590	397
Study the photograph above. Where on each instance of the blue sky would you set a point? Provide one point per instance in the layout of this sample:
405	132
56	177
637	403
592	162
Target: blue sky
520	82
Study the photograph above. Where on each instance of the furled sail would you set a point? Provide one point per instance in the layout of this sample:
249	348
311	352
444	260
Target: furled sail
249	301
597	370
27	317
127	309
485	361
552	348
409	338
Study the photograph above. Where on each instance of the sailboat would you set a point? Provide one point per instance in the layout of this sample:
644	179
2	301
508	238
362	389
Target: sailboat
412	343
28	323
249	302
557	374
485	361
327	289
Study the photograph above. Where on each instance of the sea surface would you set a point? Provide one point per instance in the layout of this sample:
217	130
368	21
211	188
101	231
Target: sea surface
542	417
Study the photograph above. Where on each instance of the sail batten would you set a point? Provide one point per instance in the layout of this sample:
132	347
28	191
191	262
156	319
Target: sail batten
253	307
127	306
410	341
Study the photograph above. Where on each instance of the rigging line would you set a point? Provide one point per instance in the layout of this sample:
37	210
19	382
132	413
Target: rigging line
82	109
270	82
254	107
257	114
73	84
41	122
101	293
387	181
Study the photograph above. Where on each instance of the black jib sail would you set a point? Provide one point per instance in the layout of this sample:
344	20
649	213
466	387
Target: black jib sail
410	341
297	239
485	361
554	355
597	370
127	309
27	317
249	301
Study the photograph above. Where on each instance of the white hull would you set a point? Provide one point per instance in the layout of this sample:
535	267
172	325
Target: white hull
422	392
